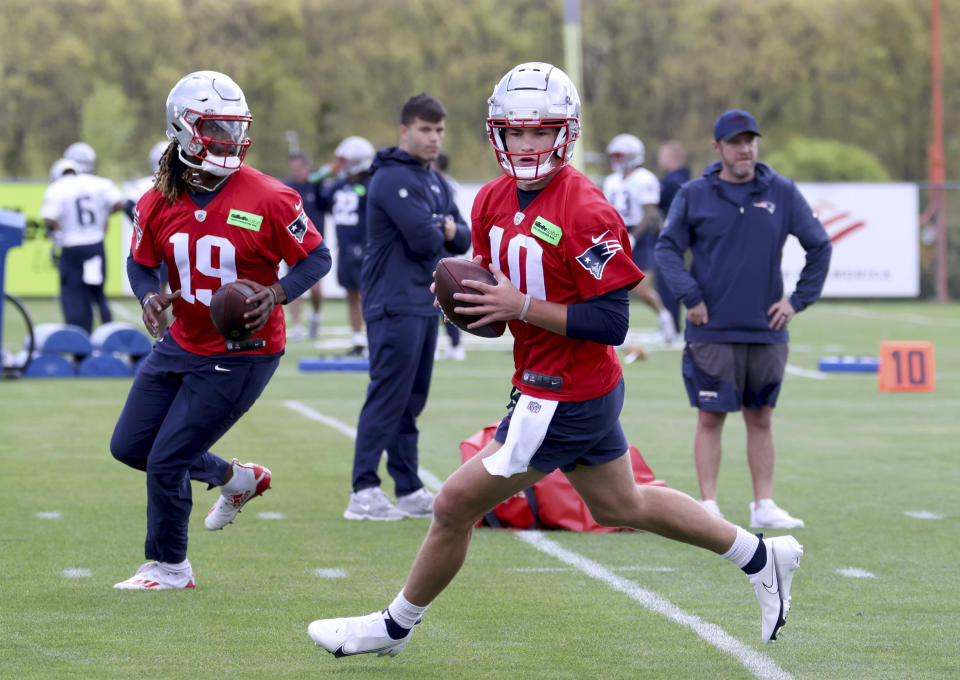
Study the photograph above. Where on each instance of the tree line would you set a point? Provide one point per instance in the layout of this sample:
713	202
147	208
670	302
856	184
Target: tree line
856	72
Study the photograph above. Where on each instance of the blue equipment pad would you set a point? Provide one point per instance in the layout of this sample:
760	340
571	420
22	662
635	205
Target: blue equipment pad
50	366
118	336
103	366
61	338
849	364
334	364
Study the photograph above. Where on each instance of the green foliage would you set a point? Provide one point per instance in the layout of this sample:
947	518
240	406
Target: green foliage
856	71
826	160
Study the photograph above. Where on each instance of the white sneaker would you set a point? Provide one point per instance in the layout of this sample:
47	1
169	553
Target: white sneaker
457	353
712	506
314	326
357	635
156	576
765	514
668	331
371	503
416	504
772	583
297	334
249	481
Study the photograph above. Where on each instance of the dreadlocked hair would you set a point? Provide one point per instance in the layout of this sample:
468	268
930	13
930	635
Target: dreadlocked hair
170	176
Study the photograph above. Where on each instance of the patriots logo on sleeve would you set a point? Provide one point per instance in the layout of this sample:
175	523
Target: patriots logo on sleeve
298	227
136	226
595	258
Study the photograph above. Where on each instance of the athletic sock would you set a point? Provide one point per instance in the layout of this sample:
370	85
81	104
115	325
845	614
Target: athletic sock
177	567
747	551
401	616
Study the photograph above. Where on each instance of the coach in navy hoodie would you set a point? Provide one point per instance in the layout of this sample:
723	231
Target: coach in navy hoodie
735	220
411	218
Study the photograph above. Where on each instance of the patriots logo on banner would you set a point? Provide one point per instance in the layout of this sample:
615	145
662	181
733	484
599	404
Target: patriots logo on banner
595	258
766	205
298	227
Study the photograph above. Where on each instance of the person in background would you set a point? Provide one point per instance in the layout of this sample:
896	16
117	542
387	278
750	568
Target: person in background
346	201
456	350
567	304
411	220
734	220
672	161
134	191
213	220
635	192
76	210
312	205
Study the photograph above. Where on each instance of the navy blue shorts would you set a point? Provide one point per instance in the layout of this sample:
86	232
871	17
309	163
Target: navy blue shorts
349	258
723	377
643	249
581	432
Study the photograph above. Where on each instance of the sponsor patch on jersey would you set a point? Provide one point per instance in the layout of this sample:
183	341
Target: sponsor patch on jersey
595	258
359	189
298	227
136	226
244	220
546	231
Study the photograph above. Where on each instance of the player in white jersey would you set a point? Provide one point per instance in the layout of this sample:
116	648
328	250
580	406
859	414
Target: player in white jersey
76	208
635	192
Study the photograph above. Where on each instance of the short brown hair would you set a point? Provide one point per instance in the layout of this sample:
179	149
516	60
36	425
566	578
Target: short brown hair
424	107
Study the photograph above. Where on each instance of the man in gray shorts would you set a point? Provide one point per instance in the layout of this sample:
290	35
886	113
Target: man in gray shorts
735	220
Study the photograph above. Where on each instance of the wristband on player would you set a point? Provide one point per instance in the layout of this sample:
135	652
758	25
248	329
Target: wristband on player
276	296
526	308
147	299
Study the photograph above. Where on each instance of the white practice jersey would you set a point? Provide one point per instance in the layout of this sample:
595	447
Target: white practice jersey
81	205
628	194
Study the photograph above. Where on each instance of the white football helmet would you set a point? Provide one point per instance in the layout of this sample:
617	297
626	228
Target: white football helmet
61	167
208	118
156	153
534	95
630	148
356	154
83	155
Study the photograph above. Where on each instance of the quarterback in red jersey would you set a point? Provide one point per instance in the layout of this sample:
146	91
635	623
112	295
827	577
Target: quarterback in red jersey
563	266
211	220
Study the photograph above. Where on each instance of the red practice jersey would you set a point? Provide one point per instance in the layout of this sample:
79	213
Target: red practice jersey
243	233
568	245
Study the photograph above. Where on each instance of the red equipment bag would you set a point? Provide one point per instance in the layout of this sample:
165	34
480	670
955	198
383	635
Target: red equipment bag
551	503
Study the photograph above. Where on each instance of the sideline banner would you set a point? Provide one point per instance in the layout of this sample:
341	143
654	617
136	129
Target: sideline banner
875	234
30	268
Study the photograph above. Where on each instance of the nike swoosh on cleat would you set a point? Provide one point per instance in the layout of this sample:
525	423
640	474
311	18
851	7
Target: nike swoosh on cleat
597	239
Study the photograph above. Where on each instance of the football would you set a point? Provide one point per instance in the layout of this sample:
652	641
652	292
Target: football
227	307
451	272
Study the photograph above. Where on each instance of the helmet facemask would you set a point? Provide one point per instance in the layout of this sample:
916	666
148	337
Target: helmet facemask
218	143
548	161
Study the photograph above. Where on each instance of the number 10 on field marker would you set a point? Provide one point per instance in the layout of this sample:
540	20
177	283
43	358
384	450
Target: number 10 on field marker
906	367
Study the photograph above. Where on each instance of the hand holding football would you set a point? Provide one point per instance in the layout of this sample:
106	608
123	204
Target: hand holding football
227	307
450	274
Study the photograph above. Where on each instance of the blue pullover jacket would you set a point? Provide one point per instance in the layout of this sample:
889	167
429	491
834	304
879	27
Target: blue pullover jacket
406	207
736	252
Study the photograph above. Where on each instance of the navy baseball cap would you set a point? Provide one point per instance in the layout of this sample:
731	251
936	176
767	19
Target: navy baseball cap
732	123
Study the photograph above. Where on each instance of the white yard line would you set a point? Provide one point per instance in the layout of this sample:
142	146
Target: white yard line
863	313
806	373
759	665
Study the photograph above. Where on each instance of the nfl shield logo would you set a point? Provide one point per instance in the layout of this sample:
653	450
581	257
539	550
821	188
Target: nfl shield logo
518	218
533	407
201	215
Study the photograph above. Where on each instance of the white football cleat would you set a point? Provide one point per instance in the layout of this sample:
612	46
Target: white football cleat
712	506
357	635
154	576
765	514
772	583
249	481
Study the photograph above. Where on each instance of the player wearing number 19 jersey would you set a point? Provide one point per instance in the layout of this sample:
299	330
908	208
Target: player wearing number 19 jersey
212	221
250	225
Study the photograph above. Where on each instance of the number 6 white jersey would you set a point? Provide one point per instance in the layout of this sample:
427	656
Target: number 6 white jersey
252	223
81	205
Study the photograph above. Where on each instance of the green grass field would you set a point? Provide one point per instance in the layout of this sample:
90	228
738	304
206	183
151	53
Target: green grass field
851	461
